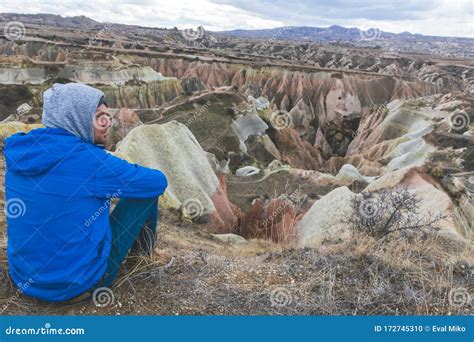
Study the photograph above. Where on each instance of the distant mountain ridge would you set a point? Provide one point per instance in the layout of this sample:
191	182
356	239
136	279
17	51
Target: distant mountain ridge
53	20
284	32
404	42
334	32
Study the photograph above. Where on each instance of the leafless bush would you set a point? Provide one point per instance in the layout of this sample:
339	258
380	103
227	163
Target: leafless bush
384	212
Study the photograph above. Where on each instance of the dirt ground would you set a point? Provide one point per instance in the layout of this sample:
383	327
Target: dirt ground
191	273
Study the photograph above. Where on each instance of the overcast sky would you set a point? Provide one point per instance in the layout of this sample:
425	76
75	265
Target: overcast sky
430	17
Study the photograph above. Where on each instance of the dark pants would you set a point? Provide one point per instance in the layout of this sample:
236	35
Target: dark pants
133	223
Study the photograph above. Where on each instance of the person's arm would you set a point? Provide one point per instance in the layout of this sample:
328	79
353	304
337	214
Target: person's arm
116	177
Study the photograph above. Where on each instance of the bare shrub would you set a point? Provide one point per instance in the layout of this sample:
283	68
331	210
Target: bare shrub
383	212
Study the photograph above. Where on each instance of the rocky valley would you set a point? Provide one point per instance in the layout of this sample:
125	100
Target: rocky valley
279	154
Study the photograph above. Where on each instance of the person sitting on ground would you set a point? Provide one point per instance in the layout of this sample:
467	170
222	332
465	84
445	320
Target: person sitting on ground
63	242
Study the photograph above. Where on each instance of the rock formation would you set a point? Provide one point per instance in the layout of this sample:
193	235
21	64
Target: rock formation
172	148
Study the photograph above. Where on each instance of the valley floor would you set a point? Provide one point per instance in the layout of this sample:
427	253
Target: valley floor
191	273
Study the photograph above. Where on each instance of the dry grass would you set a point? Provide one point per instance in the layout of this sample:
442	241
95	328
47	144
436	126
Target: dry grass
361	276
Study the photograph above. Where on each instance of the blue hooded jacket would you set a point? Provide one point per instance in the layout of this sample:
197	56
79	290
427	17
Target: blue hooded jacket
58	188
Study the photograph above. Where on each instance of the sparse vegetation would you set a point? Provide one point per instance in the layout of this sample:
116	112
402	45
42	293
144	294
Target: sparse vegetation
384	212
364	276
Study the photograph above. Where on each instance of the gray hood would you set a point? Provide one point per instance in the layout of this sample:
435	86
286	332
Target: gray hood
71	107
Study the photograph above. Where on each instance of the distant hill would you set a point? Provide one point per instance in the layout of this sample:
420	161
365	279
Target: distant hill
331	33
53	20
404	42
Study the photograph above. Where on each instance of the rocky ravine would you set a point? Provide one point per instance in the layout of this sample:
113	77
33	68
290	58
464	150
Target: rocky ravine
265	157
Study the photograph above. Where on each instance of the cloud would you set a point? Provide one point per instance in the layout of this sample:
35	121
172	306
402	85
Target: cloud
335	9
153	13
431	17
